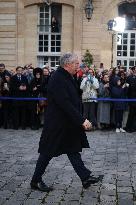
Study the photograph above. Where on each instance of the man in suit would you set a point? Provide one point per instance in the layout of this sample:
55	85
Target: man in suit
19	89
64	130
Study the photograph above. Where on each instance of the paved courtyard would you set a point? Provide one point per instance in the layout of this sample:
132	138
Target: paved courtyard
112	154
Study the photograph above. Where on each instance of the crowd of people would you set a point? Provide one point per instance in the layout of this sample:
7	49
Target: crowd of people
24	82
29	82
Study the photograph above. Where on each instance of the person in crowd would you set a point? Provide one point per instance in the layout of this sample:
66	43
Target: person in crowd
123	77
28	72
89	86
78	78
43	103
19	89
1	113
54	25
119	92
52	70
100	69
6	104
114	74
12	71
35	90
3	71
103	110
131	122
45	80
63	132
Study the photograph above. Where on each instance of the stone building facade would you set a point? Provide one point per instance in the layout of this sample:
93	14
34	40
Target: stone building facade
26	35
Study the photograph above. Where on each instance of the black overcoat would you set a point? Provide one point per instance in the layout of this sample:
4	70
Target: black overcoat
63	132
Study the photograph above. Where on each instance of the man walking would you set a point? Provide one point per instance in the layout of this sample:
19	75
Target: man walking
64	130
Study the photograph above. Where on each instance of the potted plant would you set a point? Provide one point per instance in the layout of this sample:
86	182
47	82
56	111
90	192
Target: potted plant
88	58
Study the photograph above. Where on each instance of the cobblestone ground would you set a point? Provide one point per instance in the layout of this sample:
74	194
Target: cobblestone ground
112	154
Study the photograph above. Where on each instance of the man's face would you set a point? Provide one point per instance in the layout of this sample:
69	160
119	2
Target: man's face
45	72
73	67
2	69
106	78
38	75
19	71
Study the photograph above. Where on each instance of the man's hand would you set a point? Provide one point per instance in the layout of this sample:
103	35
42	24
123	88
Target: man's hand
87	125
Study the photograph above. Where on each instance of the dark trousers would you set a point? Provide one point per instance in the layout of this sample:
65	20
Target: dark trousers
89	112
35	121
131	122
1	116
7	113
118	118
19	114
75	159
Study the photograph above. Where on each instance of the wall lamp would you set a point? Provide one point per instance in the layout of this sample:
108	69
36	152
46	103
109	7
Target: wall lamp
89	9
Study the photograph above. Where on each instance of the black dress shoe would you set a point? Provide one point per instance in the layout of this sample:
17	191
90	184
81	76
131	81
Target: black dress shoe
40	186
91	180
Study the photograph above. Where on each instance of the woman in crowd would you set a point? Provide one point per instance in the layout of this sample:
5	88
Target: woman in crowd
35	89
103	110
120	92
114	74
6	104
90	86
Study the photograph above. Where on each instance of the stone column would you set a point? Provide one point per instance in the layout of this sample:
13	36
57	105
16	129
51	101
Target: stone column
8	33
20	32
67	28
77	35
31	35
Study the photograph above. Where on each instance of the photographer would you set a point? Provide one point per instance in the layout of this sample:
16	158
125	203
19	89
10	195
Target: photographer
90	85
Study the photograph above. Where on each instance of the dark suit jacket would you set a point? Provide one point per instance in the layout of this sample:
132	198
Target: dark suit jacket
16	83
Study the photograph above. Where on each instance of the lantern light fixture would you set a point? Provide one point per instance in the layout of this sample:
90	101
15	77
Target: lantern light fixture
89	9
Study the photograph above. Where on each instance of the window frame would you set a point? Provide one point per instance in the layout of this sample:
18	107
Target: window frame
127	58
49	53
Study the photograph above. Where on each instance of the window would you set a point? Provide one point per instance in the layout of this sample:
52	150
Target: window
126	49
53	61
49	35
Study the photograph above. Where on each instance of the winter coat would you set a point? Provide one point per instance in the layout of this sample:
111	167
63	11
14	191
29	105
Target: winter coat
35	83
44	85
119	93
131	80
63	132
89	88
103	110
15	83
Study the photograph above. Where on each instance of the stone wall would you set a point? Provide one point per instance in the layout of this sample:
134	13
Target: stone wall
8	33
18	30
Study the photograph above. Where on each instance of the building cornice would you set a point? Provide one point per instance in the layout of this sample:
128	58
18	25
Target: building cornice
33	2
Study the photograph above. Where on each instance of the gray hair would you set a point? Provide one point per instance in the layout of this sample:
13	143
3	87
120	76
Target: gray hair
67	58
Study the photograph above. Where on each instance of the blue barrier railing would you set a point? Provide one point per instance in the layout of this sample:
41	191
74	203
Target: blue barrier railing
19	99
97	99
